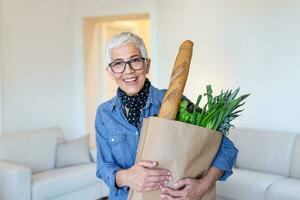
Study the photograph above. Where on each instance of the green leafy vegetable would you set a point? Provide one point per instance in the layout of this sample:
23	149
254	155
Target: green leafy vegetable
217	113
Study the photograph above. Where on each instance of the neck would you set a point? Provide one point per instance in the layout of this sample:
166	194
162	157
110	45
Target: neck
130	94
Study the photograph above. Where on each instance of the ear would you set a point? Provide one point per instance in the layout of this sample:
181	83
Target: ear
148	63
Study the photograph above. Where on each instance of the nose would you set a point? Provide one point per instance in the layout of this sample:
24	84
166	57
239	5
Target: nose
128	69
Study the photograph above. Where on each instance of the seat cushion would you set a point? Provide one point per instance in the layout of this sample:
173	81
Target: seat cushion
295	162
57	182
33	149
246	185
287	189
95	191
265	151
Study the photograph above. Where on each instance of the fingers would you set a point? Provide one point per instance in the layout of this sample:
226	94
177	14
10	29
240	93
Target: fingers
145	187
156	175
148	164
173	192
169	197
151	186
185	189
182	182
158	172
153	165
146	182
148	189
149	177
161	179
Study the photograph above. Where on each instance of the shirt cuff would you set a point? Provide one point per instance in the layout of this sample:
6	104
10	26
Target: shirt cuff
109	177
114	189
225	158
222	165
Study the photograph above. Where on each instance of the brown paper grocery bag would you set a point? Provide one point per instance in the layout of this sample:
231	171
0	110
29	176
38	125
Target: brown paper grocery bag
184	149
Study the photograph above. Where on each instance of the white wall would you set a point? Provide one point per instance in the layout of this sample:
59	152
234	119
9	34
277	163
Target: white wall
38	73
1	63
253	44
43	66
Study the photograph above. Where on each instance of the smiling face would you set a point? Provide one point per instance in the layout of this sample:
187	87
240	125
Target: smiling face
130	81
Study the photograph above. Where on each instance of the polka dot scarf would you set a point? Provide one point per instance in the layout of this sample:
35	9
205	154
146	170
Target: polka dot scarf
135	103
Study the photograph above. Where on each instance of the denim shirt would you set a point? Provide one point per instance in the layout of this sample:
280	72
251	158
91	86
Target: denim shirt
117	141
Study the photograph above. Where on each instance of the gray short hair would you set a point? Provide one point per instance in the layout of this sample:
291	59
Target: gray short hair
122	39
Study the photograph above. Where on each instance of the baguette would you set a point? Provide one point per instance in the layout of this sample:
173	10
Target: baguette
172	98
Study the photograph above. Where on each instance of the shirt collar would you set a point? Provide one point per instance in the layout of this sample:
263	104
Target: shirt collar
152	99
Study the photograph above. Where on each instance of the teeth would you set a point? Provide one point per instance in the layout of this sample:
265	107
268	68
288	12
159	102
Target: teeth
130	79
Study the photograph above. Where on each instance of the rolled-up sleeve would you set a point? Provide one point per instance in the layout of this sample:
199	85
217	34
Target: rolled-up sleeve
225	158
106	165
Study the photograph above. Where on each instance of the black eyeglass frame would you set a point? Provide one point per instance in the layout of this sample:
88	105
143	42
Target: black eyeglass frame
129	63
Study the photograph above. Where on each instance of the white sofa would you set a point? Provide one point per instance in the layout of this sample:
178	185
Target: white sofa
267	168
28	169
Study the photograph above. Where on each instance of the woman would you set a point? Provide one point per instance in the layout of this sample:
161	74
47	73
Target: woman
118	125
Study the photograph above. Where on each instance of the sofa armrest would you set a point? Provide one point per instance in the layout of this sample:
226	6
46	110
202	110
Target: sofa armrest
15	181
93	154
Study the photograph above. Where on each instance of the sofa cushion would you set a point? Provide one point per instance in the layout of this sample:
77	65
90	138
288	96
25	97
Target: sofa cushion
33	149
246	185
95	191
73	152
266	151
56	182
287	189
295	163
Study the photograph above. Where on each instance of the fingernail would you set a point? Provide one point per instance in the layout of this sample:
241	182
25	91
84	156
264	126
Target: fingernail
162	196
170	178
161	186
175	184
163	189
169	173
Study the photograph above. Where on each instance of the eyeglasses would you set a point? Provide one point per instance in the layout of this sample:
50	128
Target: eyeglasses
118	66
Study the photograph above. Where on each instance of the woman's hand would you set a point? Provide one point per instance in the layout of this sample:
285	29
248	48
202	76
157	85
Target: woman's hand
144	176
186	189
192	189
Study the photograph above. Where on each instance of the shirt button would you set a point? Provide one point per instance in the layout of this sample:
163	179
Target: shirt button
113	139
